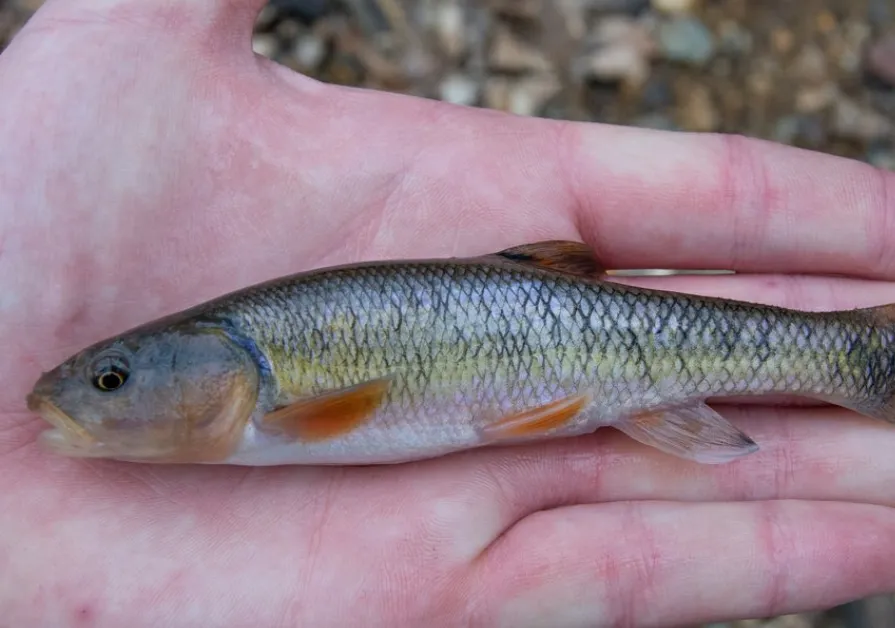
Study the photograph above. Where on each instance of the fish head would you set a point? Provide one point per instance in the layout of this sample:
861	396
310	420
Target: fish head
174	395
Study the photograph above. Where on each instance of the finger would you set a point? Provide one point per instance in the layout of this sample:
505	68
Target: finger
223	23
675	200
643	198
657	564
822	454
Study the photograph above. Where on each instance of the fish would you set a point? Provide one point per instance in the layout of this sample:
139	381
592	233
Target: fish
393	361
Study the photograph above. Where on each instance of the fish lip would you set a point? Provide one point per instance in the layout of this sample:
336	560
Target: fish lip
62	424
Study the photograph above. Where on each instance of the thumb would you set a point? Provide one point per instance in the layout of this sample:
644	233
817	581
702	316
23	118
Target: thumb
215	23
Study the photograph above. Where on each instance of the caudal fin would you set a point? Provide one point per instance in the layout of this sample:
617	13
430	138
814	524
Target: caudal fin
880	386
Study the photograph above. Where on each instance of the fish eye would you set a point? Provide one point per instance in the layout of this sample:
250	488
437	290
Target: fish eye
110	373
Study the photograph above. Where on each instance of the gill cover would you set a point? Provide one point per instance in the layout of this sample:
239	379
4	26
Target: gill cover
176	395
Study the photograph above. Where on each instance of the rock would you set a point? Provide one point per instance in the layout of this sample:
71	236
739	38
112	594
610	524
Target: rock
856	36
686	40
629	7
304	10
782	40
879	11
459	89
697	110
810	64
881	58
786	129
881	156
621	52
509	54
527	96
288	30
816	98
851	120
497	93
574	16
451	28
734	39
619	63
309	51
802	130
265	45
673	6
519	9
826	22
656	121
657	93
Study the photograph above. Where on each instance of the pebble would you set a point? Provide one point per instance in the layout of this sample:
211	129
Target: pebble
806	130
881	155
619	63
881	58
305	10
786	129
265	45
630	7
811	64
459	89
509	54
657	121
309	51
734	39
528	95
673	6
657	93
697	110
811	99
686	40
851	120
622	49
497	93
450	28
826	22
880	11
782	39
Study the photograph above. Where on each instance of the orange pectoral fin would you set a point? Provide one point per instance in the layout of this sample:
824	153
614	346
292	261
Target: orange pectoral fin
536	421
331	414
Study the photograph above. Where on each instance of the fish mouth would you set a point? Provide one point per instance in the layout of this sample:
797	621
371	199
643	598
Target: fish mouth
64	429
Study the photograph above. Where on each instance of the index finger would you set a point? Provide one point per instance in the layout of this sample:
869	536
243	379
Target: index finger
661	199
643	198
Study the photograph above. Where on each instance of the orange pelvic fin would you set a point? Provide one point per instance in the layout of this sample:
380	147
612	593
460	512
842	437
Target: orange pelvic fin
536	421
694	432
564	256
331	414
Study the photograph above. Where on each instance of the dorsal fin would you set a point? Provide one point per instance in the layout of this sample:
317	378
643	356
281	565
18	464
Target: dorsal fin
565	256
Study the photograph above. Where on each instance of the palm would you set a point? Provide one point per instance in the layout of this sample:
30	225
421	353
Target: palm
143	171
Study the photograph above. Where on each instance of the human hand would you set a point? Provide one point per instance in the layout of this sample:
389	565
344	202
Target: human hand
151	161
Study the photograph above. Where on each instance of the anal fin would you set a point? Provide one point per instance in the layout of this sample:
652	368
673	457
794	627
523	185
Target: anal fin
693	432
329	415
536	421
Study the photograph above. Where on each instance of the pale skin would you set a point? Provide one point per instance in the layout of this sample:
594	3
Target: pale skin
150	161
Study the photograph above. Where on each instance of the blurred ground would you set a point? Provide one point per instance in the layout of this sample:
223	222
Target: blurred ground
813	73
